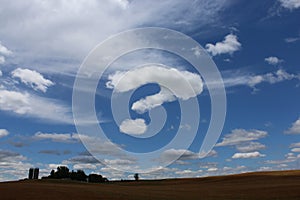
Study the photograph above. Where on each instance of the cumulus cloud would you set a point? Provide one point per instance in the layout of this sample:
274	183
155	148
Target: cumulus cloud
25	104
239	136
295	128
183	85
230	44
2	59
250	147
133	126
3	133
290	4
273	60
32	78
4	50
153	101
255	154
0	70
293	145
296	150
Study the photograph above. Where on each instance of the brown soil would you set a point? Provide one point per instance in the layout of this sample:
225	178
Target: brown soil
260	185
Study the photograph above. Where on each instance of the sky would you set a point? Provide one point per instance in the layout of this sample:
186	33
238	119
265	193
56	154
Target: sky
76	90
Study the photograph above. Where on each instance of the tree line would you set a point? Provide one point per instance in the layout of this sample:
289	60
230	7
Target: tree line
63	172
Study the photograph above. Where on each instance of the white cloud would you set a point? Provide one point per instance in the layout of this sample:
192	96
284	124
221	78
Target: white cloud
84	166
255	154
273	60
183	85
230	44
133	126
118	162
231	79
32	78
2	59
293	145
0	70
65	44
184	154
81	160
289	158
57	137
290	4
25	104
250	147
213	169
188	173
239	136
4	50
291	39
13	166
153	101
3	133
295	150
295	128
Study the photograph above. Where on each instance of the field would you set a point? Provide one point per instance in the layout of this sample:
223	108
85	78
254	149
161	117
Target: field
259	185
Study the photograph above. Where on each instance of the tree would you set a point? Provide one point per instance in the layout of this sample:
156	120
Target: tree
62	172
136	176
52	173
78	176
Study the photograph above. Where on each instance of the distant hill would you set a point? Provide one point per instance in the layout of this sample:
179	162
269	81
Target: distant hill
283	185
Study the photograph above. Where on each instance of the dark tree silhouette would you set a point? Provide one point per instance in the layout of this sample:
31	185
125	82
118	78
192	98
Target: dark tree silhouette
52	173
136	176
62	172
78	176
96	178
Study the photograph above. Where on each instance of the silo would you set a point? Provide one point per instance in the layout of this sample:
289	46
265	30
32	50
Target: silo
36	173
30	174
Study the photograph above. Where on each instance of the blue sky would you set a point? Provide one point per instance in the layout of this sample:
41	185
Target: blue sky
254	45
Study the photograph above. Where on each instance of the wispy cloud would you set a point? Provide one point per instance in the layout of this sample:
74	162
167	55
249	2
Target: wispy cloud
292	39
54	152
61	45
240	136
57	137
232	79
29	105
183	155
